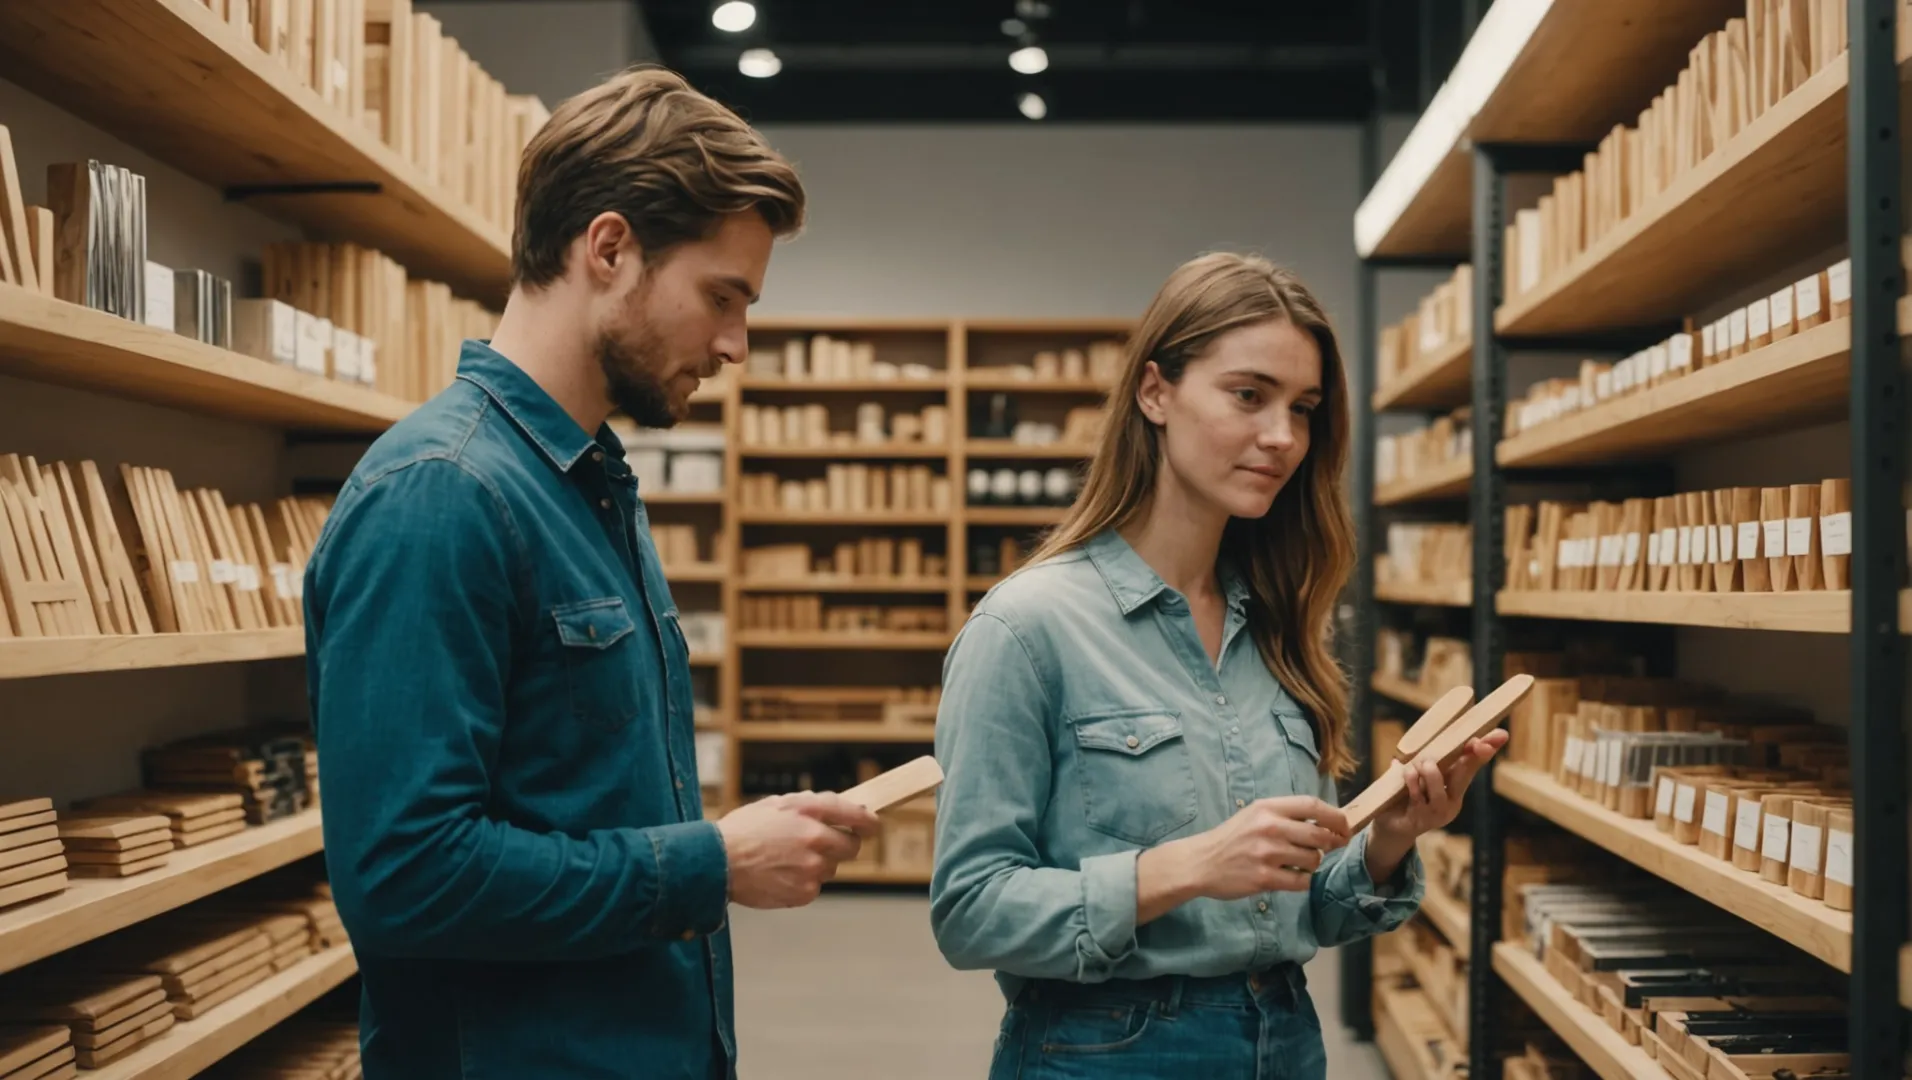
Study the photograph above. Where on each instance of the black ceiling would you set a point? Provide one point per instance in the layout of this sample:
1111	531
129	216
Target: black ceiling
1109	60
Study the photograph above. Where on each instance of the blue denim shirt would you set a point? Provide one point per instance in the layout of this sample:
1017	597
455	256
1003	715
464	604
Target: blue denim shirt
513	824
1081	722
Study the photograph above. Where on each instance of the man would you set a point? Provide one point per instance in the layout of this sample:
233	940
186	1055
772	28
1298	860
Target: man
502	694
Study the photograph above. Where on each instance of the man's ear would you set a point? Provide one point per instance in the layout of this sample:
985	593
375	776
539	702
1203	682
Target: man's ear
606	243
1150	392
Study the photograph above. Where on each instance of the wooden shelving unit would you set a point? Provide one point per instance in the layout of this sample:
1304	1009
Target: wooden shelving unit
1015	515
1434	594
985	379
1439	381
880	875
1407	1057
823	731
1604	1050
683	498
839	639
859	451
189	1047
841	517
1450	917
1797	381
1403	691
1808	924
1821	612
1449	481
27	658
52	341
94	907
770	384
846	585
707	659
1005	449
208	102
696	572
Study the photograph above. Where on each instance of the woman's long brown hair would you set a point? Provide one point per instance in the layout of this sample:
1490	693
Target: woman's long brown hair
1295	558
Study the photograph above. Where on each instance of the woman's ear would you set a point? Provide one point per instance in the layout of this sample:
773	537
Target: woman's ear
1150	392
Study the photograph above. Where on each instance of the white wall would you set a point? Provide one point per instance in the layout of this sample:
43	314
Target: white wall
551	48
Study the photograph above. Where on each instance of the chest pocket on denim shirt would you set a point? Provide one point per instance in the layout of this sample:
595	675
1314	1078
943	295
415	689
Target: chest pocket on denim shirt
596	640
1304	757
1137	781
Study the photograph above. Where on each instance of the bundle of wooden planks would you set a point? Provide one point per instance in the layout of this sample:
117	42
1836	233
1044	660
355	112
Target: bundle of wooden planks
310	1046
27	233
1442	321
1736	74
37	1052
296	890
194	818
115	845
1796	538
273	768
107	1014
33	862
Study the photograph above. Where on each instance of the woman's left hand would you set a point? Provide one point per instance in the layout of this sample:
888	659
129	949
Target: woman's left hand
1434	795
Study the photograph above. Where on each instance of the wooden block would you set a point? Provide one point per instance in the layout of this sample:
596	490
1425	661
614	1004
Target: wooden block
81	998
23	1046
54	1066
1835	533
1432	722
42	242
45	867
1773	505
116	870
23	808
22	265
126	598
24	838
117	843
1442	750
1806	856
1838	862
195	1009
1802	536
207	835
180	805
69	191
110	826
29	821
898	785
100	1056
31	853
204	822
133	1025
103	857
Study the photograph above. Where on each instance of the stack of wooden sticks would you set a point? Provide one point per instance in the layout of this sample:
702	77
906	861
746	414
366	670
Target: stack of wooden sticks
115	845
32	860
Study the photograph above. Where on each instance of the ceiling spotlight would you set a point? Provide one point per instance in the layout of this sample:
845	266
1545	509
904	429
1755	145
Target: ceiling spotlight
759	63
1014	28
1032	106
734	17
1029	60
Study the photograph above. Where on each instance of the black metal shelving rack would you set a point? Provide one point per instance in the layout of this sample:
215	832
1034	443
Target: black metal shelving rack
1881	698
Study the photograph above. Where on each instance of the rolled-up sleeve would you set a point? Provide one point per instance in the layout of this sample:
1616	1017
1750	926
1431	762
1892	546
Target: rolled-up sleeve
410	616
1348	904
992	904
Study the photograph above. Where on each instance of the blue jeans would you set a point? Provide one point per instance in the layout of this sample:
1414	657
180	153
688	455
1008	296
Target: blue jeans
1236	1027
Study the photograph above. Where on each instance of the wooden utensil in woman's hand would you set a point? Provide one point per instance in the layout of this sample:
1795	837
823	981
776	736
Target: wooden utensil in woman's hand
1442	748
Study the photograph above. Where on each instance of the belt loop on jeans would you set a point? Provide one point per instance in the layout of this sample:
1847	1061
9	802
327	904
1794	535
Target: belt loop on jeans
1174	1002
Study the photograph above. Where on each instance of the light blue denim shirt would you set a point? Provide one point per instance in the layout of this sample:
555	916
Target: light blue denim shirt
1081	722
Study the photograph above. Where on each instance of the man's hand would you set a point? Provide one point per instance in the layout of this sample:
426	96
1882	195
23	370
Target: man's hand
782	849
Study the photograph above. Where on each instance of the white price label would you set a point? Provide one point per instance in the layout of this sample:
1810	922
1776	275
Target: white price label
1683	799
298	584
1758	319
1603	385
1839	857
1682	351
1806	297
1781	304
1668	545
248	578
1775	538
281	584
185	571
1711	536
1749	539
1632	555
1798	536
1663	802
1715	819
1726	533
1839	281
1835	533
1616	757
1805	848
1563	558
1686	545
1736	328
1656	361
1706	341
223	572
1746	827
1653	554
1576	746
1777	835
1611	548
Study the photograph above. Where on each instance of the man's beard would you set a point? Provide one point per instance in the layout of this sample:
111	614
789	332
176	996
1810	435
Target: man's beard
630	375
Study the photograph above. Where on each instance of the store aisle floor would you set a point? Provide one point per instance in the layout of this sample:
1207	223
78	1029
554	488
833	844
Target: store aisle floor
852	988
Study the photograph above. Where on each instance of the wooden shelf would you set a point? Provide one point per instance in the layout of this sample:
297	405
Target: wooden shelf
1808	924
26	658
1007	448
94	907
1442	380
1450	917
837	639
1407	1056
1441	594
1015	515
844	517
707	659
710	571
190	1046
1795	382
985	379
1401	690
1449	480
1604	1050
846	585
53	341
880	875
1773	194
824	731
1822	612
683	498
856	451
982	582
204	99
846	386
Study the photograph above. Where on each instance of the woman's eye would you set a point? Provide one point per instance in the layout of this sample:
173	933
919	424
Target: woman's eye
723	302
1248	395
1304	409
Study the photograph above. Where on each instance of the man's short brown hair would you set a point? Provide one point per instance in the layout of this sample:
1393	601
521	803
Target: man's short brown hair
647	146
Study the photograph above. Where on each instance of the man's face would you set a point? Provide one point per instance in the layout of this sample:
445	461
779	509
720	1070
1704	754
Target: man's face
680	318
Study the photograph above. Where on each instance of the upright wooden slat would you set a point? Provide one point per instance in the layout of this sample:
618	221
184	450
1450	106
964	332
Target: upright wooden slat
125	596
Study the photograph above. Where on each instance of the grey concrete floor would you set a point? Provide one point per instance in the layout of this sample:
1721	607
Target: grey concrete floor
853	987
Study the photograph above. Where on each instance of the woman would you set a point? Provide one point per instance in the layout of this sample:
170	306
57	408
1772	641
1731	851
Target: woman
1141	729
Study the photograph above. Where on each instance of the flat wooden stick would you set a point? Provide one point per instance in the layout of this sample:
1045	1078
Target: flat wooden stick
1443	750
900	784
1433	722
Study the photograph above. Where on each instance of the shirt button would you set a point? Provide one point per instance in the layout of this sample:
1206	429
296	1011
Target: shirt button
1221	699
591	632
1133	742
680	785
605	503
597	456
1262	907
1239	803
1234	730
691	935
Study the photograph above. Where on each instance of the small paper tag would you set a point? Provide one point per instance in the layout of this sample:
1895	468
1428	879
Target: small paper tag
185	571
222	572
1805	848
1749	539
1681	351
1839	857
1799	536
1611	548
1656	362
1839	281
1683	799
1746	828
1835	533
1778	834
1616	757
1592	762
1686	545
1563	558
1775	538
1706	341
1663	802
1653	549
1806	298
1668	540
1632	549
1781	305
298	584
1715	819
1571	758
248	578
1758	319
1736	328
1711	536
1603	385
281	583
1726	533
